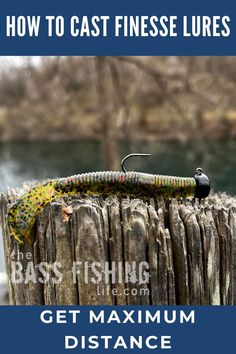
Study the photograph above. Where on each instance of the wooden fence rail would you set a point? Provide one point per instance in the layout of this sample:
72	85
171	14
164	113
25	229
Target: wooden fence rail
95	250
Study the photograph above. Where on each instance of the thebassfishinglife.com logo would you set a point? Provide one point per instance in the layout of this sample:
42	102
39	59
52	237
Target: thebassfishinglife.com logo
106	277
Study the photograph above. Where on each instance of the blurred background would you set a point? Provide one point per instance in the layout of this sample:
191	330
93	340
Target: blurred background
67	115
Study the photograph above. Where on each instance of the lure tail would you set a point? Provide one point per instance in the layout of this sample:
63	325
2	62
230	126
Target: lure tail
22	215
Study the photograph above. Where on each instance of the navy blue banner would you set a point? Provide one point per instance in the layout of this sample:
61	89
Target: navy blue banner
126	329
117	28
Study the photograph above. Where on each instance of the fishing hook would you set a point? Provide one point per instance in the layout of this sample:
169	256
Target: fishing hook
127	157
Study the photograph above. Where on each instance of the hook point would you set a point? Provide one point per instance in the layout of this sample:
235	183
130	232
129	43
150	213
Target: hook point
131	155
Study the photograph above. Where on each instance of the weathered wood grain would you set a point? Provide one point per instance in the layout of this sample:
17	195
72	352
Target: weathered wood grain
109	250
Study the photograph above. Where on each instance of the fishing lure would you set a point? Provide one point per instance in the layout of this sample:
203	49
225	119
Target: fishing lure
22	215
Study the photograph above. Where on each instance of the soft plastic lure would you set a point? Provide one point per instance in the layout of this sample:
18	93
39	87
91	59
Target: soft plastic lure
22	215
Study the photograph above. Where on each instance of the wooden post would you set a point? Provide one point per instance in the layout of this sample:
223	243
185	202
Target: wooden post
172	252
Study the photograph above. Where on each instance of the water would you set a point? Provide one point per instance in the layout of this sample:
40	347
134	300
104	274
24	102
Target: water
20	162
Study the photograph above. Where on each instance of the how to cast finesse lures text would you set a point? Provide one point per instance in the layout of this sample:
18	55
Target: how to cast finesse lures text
22	215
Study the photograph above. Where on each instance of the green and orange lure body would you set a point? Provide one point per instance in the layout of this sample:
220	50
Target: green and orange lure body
22	215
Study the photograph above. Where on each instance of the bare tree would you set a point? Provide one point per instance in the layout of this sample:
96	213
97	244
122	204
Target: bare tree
134	98
106	115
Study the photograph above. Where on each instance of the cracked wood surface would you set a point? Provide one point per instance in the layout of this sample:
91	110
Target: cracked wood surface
147	252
